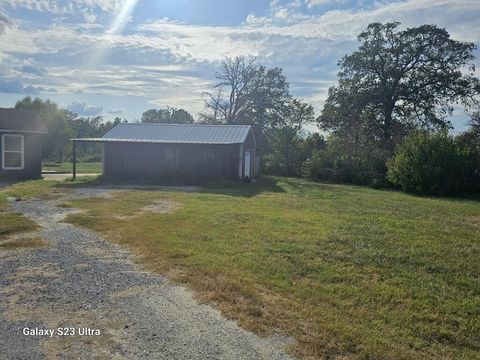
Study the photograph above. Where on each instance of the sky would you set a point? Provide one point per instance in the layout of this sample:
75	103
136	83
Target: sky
122	57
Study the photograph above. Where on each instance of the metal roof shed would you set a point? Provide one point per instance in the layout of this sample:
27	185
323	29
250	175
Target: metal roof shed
177	153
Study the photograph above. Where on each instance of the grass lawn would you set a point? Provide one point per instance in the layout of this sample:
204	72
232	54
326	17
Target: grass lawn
11	223
348	272
82	167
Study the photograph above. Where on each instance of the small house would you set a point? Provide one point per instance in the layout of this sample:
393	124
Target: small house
20	144
178	153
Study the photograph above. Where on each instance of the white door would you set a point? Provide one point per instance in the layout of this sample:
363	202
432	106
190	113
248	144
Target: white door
248	160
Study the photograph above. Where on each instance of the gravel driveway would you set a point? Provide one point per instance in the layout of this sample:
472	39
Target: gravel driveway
79	281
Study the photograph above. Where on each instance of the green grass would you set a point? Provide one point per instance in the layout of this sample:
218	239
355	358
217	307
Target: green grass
348	272
82	167
12	223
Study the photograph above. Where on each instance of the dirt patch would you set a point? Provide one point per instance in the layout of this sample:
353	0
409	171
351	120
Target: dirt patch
476	221
158	207
161	207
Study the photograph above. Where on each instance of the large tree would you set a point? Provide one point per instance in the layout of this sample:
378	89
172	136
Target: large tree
247	93
399	80
169	115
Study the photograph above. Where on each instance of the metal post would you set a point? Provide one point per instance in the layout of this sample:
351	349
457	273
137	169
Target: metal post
74	160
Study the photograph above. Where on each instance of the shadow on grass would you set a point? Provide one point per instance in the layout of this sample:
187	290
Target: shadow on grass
244	189
230	188
304	186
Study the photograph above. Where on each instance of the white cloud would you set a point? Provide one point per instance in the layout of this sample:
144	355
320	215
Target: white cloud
62	7
254	20
116	111
171	63
84	109
295	4
312	3
5	23
282	14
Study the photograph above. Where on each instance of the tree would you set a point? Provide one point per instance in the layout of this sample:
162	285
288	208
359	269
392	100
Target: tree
247	93
236	77
55	119
399	80
471	140
475	124
88	127
169	115
286	147
63	125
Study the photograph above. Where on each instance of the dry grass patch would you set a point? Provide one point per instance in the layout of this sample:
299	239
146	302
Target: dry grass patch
476	221
161	207
23	243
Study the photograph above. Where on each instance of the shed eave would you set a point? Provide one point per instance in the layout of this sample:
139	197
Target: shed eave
153	141
22	131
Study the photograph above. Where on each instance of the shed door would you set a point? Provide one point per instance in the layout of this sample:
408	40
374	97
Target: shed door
248	163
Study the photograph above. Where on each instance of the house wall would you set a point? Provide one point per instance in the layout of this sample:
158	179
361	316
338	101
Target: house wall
32	159
175	163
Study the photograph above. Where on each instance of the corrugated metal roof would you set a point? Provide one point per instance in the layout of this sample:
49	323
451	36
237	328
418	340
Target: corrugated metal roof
177	133
21	120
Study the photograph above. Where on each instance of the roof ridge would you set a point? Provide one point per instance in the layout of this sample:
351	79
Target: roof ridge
203	125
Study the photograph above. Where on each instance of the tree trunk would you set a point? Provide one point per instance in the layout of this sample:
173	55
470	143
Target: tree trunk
387	126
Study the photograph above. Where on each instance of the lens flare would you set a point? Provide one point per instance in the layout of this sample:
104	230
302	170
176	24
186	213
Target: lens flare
122	18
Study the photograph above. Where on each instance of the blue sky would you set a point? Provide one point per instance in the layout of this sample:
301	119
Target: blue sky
122	57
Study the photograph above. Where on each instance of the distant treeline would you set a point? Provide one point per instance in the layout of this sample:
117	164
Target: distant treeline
63	125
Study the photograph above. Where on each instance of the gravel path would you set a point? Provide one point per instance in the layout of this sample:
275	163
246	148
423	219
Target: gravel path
80	281
60	177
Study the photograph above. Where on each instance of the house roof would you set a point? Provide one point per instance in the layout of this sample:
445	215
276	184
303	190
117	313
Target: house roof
21	121
176	133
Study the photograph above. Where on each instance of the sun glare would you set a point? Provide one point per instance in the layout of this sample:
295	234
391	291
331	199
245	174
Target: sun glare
122	18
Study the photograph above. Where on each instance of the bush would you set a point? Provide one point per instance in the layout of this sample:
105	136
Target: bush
432	163
366	167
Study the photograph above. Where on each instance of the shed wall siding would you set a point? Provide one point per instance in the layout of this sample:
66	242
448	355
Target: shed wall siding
32	159
170	163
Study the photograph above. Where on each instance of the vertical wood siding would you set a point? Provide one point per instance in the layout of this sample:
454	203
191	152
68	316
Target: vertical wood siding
170	163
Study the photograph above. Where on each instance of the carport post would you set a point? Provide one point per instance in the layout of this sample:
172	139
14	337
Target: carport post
74	160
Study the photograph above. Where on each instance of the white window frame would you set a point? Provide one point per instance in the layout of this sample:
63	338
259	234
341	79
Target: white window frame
22	151
207	152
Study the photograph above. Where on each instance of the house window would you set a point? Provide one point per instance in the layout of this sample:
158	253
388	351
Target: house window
12	152
209	157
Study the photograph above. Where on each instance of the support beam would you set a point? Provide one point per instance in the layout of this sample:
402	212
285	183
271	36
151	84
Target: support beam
240	163
74	159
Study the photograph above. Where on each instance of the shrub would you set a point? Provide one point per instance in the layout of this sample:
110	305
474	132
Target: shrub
432	163
335	164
